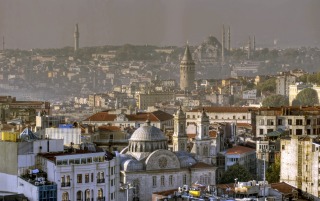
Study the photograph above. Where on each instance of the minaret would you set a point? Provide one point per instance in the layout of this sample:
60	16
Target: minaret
223	44
254	43
229	39
76	38
3	43
187	71
249	48
180	138
201	147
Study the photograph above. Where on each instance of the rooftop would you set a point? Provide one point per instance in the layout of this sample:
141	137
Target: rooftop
239	150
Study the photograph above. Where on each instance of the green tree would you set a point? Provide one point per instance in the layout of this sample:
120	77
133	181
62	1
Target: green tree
307	96
273	172
235	171
275	101
268	85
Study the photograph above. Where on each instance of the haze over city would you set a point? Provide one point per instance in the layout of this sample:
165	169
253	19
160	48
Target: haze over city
27	24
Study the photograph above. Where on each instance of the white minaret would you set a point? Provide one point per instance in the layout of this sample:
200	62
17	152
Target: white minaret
76	38
187	71
201	147
229	39
223	45
180	138
249	48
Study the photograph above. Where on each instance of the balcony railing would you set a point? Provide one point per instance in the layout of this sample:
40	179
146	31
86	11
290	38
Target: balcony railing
65	184
100	181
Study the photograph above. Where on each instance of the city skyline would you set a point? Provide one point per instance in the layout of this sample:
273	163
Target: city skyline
33	24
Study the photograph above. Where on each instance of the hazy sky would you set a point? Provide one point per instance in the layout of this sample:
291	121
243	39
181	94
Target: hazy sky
29	24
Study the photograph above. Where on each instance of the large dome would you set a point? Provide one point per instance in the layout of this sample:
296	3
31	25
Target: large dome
148	133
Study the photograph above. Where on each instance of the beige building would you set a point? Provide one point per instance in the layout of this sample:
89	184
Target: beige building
300	163
222	114
294	120
295	89
150	99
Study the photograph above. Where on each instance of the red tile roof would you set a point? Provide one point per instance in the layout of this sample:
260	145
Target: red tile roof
109	128
223	109
239	150
142	116
283	187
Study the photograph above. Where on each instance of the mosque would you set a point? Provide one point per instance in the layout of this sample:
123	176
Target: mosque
148	166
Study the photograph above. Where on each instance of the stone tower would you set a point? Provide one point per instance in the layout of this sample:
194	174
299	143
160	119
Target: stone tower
187	71
76	38
223	45
180	138
201	147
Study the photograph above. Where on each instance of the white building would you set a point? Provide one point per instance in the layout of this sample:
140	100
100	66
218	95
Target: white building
301	155
82	175
244	156
69	134
282	84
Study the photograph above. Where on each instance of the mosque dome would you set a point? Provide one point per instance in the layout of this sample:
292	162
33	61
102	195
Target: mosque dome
145	140
147	133
132	165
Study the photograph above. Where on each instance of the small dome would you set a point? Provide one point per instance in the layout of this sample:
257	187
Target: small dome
148	133
132	165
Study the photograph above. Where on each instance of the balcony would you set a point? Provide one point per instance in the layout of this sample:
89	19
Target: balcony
99	181
65	184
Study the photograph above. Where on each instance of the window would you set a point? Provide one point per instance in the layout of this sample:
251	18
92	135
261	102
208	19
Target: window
112	182
154	181
184	179
86	178
308	131
283	147
308	121
79	178
261	122
91	177
170	180
261	132
269	130
279	122
270	122
299	122
162	181
289	121
234	117
298	131
243	117
111	171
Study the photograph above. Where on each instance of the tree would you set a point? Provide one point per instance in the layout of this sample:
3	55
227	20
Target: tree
235	171
275	101
273	172
268	85
307	96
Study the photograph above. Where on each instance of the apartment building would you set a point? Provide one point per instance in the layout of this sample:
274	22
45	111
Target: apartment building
294	120
300	163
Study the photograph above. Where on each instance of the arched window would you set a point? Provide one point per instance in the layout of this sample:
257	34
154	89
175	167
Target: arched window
79	195
100	193
162	181
87	195
65	196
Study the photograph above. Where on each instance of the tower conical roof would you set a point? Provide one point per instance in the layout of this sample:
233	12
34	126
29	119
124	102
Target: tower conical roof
187	55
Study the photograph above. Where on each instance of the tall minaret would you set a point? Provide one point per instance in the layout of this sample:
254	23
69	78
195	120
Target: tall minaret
223	44
201	147
76	38
180	138
229	39
187	71
254	43
3	43
249	48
